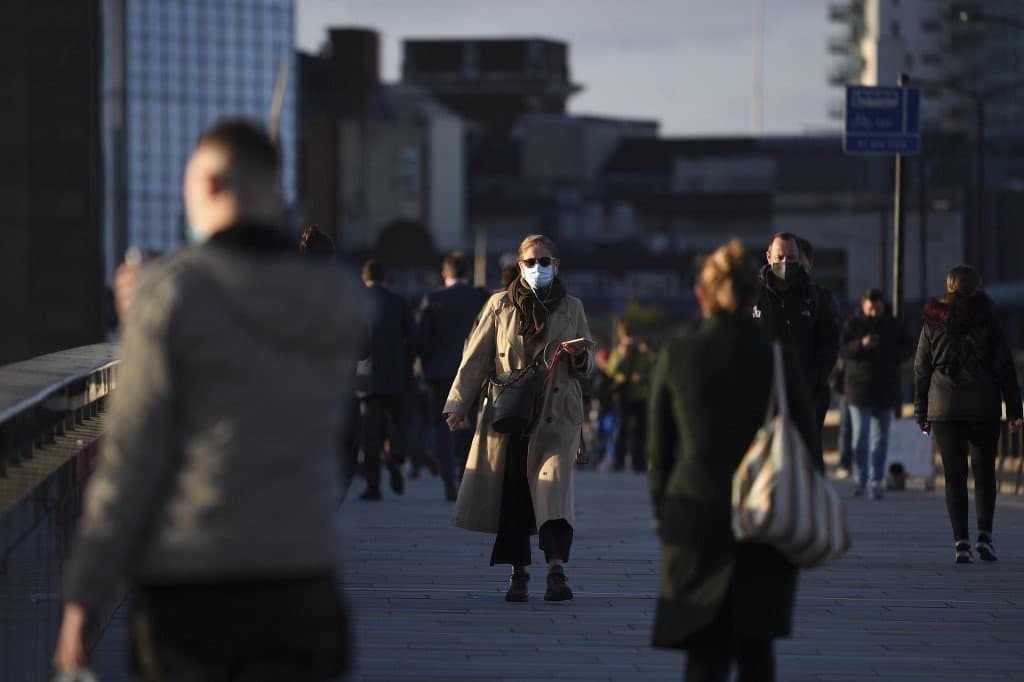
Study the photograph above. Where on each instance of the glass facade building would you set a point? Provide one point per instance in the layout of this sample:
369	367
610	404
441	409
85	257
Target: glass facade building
173	67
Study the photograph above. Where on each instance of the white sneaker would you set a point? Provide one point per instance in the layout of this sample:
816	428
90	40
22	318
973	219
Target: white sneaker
984	547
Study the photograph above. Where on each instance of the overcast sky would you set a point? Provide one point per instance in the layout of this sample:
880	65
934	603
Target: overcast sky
687	63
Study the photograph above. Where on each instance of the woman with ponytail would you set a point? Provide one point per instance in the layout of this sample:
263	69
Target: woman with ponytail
721	601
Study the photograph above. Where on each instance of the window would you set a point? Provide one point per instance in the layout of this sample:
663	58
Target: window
895	28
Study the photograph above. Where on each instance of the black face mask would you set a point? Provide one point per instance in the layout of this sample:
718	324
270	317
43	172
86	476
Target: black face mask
787	271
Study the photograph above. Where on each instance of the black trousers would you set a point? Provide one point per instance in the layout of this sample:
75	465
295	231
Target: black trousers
711	661
284	629
517	522
632	435
348	444
822	401
712	650
382	417
955	440
450	448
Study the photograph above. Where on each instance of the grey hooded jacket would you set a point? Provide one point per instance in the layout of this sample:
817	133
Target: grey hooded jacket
219	460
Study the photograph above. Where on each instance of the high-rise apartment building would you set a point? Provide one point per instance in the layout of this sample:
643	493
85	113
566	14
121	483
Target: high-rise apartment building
956	46
172	68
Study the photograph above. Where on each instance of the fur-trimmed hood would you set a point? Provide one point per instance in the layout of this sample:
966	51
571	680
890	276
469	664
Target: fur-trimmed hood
958	312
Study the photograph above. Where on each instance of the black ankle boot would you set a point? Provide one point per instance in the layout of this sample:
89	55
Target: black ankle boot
518	587
557	590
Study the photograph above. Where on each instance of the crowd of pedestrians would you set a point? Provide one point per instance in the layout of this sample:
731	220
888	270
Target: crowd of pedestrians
245	357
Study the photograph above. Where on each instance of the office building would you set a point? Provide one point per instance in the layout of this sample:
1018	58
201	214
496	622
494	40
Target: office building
171	69
492	82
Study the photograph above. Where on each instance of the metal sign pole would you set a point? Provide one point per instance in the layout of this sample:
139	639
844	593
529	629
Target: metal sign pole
897	224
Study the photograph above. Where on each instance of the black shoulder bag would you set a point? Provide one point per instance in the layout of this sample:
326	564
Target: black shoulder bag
516	396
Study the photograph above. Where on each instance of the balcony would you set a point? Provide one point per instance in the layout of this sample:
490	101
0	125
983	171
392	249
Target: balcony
840	12
836	109
849	12
846	71
841	45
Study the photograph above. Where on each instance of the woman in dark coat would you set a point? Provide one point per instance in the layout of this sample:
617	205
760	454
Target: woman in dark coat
962	373
719	600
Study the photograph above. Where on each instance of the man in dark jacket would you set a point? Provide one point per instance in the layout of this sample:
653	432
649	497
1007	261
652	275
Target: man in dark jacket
383	380
873	346
801	315
445	319
823	395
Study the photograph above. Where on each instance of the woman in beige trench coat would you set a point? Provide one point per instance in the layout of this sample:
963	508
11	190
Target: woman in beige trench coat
515	486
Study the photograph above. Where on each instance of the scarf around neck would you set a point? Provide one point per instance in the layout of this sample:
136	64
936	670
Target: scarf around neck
535	307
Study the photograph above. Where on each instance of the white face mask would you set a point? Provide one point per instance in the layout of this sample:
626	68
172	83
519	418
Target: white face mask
538	276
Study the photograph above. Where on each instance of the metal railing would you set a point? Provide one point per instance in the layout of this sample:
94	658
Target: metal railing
51	422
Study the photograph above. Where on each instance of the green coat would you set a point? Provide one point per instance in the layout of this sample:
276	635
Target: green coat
709	392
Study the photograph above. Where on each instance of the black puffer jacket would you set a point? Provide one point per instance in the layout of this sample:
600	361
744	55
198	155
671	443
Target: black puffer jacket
803	317
963	368
872	375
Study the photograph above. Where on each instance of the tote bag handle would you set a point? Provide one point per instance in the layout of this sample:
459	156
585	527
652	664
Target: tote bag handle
777	400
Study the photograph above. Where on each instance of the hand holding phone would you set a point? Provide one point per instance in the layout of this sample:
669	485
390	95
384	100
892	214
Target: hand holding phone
577	346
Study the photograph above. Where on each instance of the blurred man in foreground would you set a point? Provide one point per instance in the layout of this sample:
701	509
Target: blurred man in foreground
217	486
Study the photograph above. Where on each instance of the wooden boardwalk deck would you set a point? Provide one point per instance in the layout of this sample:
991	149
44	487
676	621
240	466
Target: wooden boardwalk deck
428	607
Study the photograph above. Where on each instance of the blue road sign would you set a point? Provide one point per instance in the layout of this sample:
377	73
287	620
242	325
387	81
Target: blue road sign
882	120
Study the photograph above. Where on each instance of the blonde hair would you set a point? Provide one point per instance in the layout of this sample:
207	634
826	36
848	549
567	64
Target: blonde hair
963	280
727	279
538	240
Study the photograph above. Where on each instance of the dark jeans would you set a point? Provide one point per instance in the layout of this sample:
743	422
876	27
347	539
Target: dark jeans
632	431
870	429
955	440
517	522
285	629
451	448
383	417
